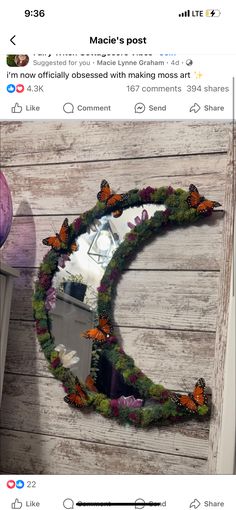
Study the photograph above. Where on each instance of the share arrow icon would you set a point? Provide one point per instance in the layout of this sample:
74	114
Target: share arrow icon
195	504
195	108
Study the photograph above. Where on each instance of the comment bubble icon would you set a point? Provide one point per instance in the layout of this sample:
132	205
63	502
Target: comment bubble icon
139	504
68	503
68	108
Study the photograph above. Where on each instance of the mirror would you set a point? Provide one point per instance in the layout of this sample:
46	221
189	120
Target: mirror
76	285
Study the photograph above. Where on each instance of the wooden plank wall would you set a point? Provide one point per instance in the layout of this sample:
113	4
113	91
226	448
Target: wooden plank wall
166	305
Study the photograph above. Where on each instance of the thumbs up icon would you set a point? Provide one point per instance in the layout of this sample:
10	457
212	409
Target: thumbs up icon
16	505
17	108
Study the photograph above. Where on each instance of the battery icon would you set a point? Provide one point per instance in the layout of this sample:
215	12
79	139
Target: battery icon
212	13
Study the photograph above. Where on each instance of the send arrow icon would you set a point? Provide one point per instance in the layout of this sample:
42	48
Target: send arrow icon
195	108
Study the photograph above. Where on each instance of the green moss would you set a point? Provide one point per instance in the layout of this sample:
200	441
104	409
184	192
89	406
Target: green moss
202	410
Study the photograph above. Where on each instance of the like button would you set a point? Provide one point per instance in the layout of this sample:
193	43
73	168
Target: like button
16	505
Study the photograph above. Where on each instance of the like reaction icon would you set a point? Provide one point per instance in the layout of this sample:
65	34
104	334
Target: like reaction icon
16	505
11	88
19	484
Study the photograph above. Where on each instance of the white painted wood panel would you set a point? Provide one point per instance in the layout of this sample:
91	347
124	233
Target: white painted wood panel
49	454
39	407
72	187
68	141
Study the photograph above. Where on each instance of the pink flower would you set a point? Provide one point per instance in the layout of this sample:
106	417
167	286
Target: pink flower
50	302
130	401
138	220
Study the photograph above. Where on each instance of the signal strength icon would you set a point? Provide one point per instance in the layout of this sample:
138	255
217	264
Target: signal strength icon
185	14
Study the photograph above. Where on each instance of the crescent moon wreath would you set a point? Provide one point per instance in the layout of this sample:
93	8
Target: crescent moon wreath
156	405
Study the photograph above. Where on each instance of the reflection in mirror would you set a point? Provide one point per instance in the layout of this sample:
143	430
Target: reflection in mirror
76	285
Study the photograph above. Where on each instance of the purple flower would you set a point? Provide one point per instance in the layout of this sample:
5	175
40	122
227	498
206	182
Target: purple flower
40	331
115	411
170	190
55	362
132	237
50	302
114	274
146	193
138	219
63	259
114	402
77	224
133	378
166	214
112	340
66	389
44	280
102	288
165	395
133	417
130	401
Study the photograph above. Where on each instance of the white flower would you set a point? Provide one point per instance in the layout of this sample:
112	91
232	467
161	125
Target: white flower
67	358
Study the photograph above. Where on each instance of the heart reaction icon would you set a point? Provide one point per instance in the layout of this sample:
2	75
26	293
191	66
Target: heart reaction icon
20	88
11	484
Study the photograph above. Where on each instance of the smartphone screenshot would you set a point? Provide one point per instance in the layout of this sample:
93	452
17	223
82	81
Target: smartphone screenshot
117	280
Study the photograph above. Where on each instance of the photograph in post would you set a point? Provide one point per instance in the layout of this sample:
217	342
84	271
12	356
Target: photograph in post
117	249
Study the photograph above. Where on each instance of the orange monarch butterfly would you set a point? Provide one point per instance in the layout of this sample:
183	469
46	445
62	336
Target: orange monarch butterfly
199	202
101	332
60	241
106	195
192	401
90	384
77	398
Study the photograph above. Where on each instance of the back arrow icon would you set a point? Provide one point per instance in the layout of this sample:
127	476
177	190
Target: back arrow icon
13	37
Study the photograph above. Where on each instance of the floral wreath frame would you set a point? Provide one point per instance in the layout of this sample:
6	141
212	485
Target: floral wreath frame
165	408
